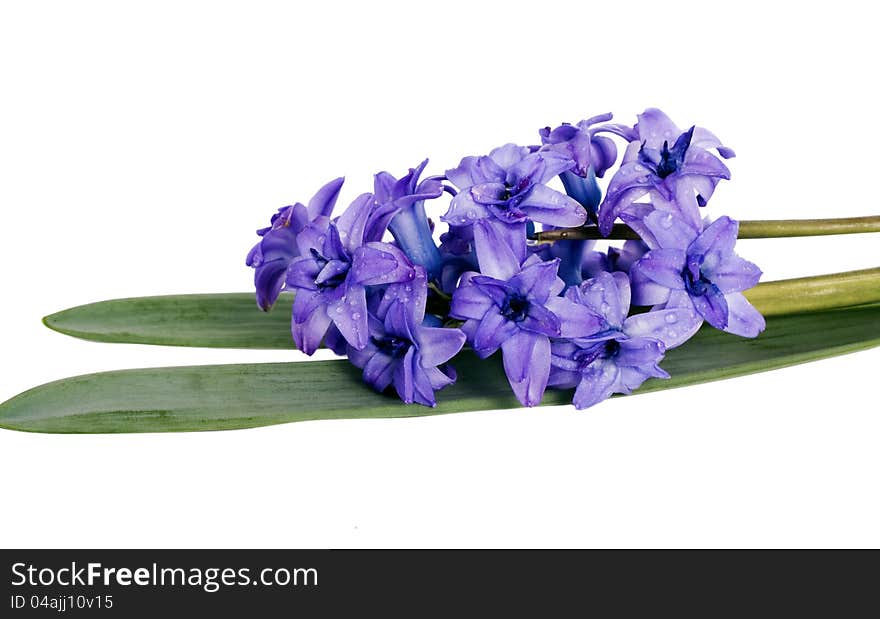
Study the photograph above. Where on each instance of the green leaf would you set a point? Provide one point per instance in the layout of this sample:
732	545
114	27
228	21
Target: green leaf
233	321
229	320
243	396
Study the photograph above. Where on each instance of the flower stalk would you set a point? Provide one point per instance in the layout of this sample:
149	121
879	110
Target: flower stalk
754	229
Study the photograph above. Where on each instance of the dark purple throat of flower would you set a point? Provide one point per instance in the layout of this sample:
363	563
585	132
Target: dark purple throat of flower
697	284
515	307
394	347
331	273
669	160
607	349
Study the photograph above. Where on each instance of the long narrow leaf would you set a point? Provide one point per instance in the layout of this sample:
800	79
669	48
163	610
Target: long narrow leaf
243	396
233	321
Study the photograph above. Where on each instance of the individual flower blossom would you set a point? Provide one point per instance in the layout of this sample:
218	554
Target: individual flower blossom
400	207
271	256
404	351
515	307
508	188
331	272
701	271
673	166
583	144
622	353
592	155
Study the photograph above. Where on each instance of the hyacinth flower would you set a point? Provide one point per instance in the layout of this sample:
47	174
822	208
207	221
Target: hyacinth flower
403	350
516	307
701	271
278	247
400	206
332	272
557	309
674	167
508	188
592	155
623	352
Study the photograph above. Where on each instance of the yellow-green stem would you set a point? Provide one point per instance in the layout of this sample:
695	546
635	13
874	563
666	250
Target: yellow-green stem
756	229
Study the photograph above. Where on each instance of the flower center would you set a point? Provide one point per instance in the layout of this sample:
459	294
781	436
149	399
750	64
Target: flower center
600	350
670	159
394	347
334	280
695	282
515	307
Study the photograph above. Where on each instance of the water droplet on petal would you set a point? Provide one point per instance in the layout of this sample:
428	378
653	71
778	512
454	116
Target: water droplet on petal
355	315
671	318
338	309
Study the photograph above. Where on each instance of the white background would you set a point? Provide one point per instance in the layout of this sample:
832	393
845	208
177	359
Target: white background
142	143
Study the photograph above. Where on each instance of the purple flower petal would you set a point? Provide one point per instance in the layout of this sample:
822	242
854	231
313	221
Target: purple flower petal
548	206
489	193
353	221
302	273
473	170
413	294
379	371
663	266
639	352
646	291
716	242
470	302
464	210
491	332
325	199
574	320
743	319
596	385
536	280
607	296
655	127
704	163
310	321
673	326
526	359
423	390
378	263
713	307
496	256
735	274
269	279
349	314
438	379
437	345
404	379
508	155
541	320
669	231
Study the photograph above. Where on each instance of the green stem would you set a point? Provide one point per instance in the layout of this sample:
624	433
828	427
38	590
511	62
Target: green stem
821	292
756	229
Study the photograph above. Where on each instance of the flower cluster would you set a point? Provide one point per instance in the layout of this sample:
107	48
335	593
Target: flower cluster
373	284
